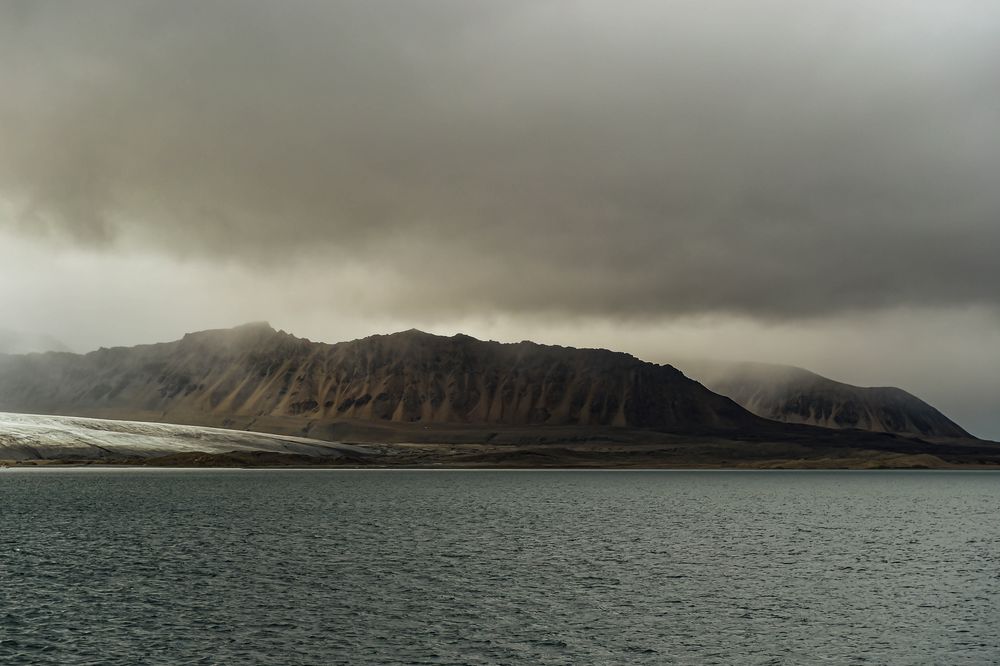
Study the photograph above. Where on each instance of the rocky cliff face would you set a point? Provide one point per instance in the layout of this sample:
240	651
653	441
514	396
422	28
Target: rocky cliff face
794	395
405	377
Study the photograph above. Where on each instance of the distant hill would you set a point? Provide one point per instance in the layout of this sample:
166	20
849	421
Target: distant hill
794	395
253	374
19	342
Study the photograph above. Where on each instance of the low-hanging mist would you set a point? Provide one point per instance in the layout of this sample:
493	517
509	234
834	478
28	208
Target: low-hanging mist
801	183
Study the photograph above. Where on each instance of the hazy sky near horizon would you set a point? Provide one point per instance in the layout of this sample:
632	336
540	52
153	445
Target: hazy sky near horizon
810	182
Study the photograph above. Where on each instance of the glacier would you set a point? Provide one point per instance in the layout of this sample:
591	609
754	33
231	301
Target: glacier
33	436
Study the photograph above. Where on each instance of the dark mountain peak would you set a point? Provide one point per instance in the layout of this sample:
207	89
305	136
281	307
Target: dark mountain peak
243	330
251	333
424	336
413	333
401	343
409	335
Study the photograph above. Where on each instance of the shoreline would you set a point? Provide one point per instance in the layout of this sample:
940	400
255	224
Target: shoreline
50	441
774	467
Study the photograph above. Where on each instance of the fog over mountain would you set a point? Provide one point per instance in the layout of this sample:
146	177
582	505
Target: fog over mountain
801	183
795	395
19	342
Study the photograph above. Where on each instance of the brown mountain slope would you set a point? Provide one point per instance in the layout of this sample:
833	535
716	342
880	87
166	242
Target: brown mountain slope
794	395
410	377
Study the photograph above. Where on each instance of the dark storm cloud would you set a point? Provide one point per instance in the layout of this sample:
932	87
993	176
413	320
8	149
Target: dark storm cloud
775	158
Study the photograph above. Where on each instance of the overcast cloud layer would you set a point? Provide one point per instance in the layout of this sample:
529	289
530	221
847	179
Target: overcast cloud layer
770	165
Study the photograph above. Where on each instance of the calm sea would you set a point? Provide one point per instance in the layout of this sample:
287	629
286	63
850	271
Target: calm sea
498	567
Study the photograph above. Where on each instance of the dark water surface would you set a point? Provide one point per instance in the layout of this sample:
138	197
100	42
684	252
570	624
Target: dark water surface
495	567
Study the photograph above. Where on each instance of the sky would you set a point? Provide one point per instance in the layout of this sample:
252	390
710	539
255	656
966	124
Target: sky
805	182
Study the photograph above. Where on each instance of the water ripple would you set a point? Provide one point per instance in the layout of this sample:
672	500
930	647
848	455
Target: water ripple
369	567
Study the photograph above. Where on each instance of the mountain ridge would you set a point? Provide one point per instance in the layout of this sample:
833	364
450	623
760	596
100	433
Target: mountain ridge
411	376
